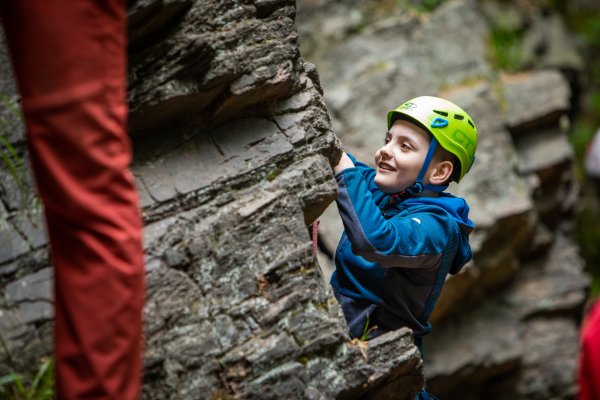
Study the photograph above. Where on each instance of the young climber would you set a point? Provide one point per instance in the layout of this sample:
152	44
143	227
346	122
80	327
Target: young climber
403	233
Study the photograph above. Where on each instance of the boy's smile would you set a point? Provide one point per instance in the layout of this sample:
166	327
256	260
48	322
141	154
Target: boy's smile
400	159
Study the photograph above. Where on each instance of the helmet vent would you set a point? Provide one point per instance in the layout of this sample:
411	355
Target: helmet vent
445	114
470	123
459	117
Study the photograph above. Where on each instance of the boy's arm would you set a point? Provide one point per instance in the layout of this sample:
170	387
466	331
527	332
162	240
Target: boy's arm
416	241
348	161
345	163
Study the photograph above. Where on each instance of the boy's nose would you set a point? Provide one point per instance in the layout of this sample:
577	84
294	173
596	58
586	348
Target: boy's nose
384	152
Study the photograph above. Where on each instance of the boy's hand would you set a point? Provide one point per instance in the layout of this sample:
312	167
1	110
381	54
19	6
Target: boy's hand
345	162
334	149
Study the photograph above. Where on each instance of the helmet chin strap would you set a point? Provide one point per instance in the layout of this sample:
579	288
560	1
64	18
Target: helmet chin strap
419	186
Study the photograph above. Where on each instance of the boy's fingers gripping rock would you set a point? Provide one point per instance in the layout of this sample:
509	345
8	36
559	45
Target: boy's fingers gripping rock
334	150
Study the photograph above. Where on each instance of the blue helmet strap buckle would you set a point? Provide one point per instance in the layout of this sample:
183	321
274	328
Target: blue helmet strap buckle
416	187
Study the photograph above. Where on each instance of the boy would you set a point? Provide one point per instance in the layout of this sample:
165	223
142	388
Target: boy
403	233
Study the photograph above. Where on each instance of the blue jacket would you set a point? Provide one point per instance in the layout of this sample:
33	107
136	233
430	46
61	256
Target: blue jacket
393	258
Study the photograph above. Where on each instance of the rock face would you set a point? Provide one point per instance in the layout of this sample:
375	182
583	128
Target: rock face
507	325
232	147
232	158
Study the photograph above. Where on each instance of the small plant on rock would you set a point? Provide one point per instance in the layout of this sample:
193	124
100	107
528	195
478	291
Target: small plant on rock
25	386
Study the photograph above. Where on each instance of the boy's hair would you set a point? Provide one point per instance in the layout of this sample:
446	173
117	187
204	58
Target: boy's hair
442	154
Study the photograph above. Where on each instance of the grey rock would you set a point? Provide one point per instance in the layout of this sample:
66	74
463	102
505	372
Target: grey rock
535	99
355	372
313	198
542	239
172	298
33	287
552	284
33	227
458	290
146	200
547	38
36	311
12	328
13	244
147	17
529	315
7	81
253	323
461	55
461	356
504	16
405	368
9	268
232	149
218	61
13	126
16	186
31	297
153	233
550	363
543	149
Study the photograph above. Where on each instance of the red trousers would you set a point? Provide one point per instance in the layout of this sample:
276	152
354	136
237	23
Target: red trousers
589	362
69	59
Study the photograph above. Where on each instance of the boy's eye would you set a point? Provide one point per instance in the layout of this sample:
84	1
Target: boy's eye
386	140
405	146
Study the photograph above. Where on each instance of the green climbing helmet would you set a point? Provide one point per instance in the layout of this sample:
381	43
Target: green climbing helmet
447	122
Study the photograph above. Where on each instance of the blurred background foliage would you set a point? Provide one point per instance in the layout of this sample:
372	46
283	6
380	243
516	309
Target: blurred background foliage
586	26
508	53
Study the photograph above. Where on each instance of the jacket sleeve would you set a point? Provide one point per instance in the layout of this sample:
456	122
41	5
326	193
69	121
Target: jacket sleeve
367	172
414	241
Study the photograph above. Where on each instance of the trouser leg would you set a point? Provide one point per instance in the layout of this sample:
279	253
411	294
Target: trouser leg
70	61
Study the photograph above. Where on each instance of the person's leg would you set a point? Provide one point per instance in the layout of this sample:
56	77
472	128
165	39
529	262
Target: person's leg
589	362
358	314
70	64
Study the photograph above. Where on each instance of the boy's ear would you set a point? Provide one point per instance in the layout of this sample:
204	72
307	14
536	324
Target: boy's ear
441	173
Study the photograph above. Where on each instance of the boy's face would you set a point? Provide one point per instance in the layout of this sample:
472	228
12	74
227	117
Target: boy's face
400	159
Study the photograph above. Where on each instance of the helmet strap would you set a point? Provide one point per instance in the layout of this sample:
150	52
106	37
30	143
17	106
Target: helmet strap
418	186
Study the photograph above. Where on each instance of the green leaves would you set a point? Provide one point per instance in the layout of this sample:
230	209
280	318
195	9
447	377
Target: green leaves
364	336
21	386
15	386
506	52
